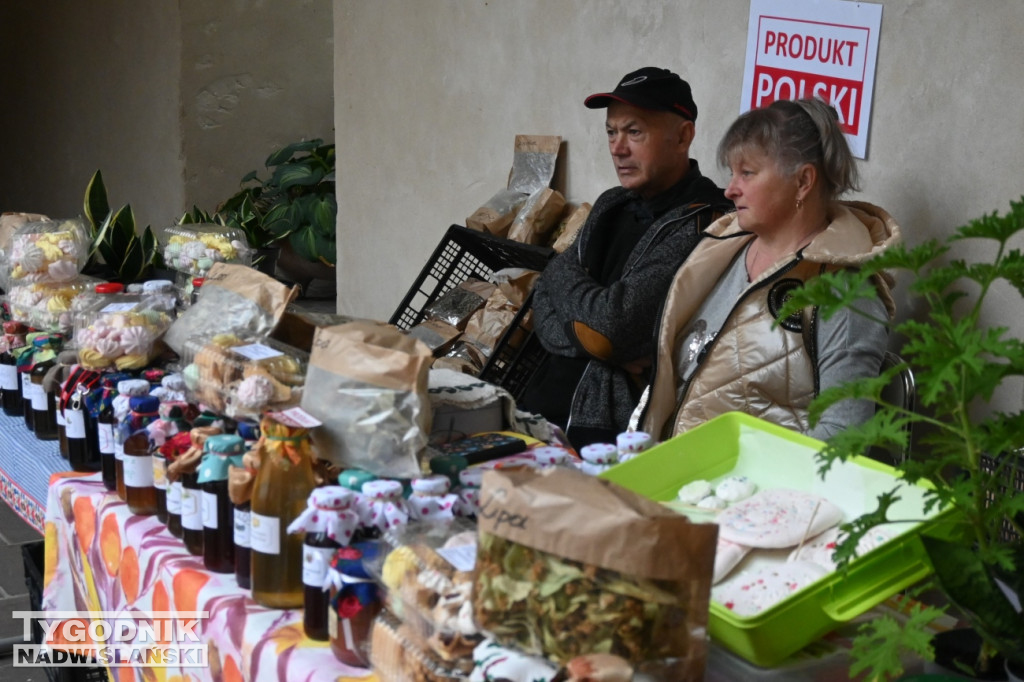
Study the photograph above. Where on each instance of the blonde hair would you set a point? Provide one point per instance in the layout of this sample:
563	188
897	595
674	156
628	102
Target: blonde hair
795	132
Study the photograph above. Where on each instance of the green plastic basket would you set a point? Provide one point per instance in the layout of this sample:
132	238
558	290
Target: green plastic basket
773	456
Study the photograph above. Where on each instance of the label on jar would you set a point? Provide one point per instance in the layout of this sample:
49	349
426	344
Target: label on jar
242	527
74	423
315	562
138	471
61	420
159	473
38	397
209	502
257	351
265	533
174	498
191	509
9	377
26	385
105	434
118	450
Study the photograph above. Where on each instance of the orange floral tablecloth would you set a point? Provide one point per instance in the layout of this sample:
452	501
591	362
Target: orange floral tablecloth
102	558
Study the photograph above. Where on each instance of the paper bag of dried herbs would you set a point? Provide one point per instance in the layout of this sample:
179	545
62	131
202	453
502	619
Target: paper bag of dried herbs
568	564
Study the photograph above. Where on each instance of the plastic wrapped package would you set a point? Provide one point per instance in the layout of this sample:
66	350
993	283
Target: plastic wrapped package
240	376
46	251
49	306
427	578
396	657
120	331
194	249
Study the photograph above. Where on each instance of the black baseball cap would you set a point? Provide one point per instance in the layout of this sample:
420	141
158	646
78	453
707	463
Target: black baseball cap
649	88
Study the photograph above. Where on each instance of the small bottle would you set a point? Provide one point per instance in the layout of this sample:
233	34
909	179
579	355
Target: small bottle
191	513
219	453
26	398
354	603
283	484
10	385
107	447
174	508
44	413
250	433
137	464
163	455
329	522
62	435
79	455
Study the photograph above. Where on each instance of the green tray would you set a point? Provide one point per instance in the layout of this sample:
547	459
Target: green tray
772	456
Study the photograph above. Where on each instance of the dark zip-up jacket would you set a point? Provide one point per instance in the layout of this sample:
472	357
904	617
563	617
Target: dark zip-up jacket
585	324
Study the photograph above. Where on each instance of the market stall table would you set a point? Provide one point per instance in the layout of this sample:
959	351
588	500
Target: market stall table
26	465
101	557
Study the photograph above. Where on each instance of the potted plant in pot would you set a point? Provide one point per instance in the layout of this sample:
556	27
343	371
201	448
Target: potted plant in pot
294	207
966	453
119	251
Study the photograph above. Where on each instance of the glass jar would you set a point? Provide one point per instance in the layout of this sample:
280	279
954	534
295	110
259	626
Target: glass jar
191	513
283	483
130	422
106	446
137	457
382	507
174	508
44	412
431	500
76	432
354	603
329	522
183	475
10	384
250	433
219	453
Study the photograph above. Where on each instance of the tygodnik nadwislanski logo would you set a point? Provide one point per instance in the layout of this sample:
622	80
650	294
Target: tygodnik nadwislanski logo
138	639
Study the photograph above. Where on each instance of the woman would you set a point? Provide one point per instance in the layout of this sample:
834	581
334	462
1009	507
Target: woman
718	347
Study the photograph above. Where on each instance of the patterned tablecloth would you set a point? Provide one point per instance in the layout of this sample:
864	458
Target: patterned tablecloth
26	465
101	557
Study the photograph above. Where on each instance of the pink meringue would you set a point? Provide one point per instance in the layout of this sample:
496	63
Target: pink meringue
255	391
136	340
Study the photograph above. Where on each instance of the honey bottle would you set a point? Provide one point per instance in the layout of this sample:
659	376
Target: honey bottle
137	463
282	487
129	422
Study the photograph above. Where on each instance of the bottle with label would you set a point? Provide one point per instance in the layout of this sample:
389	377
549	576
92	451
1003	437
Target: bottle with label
105	426
241	496
329	522
354	602
79	456
44	412
163	456
219	453
10	385
283	483
183	474
137	462
56	383
129	421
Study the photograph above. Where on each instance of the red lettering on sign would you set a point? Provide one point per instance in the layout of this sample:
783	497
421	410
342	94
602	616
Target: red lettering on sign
773	84
810	47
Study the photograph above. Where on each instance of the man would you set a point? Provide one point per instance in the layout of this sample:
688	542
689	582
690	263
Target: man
596	304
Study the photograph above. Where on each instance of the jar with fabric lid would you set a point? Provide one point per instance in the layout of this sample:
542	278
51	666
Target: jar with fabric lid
598	457
470	481
44	411
137	458
219	453
551	456
354	602
431	499
184	471
353	479
382	506
283	484
129	421
631	443
329	522
170	437
54	384
10	384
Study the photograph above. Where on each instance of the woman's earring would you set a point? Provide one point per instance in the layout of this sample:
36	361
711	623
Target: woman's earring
799	204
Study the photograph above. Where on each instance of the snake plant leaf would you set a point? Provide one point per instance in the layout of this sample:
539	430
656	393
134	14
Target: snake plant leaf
96	206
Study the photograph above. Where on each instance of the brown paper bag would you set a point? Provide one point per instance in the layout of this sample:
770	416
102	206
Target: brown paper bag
537	217
496	216
571	227
486	326
367	383
569	564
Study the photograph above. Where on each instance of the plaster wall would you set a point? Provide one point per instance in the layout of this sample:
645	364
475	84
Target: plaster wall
90	86
430	94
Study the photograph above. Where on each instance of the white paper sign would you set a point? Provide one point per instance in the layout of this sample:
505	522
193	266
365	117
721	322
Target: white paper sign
818	48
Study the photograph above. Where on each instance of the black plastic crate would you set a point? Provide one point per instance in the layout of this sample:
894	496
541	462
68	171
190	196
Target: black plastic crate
33	557
464	253
1013	472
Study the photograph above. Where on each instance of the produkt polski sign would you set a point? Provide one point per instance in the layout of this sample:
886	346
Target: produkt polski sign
822	48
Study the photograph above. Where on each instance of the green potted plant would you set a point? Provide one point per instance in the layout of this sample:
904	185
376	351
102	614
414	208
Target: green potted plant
968	454
119	250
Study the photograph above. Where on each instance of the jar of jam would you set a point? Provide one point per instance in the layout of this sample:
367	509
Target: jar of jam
241	494
354	603
329	522
128	422
382	507
431	500
80	457
44	412
183	471
137	462
219	453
